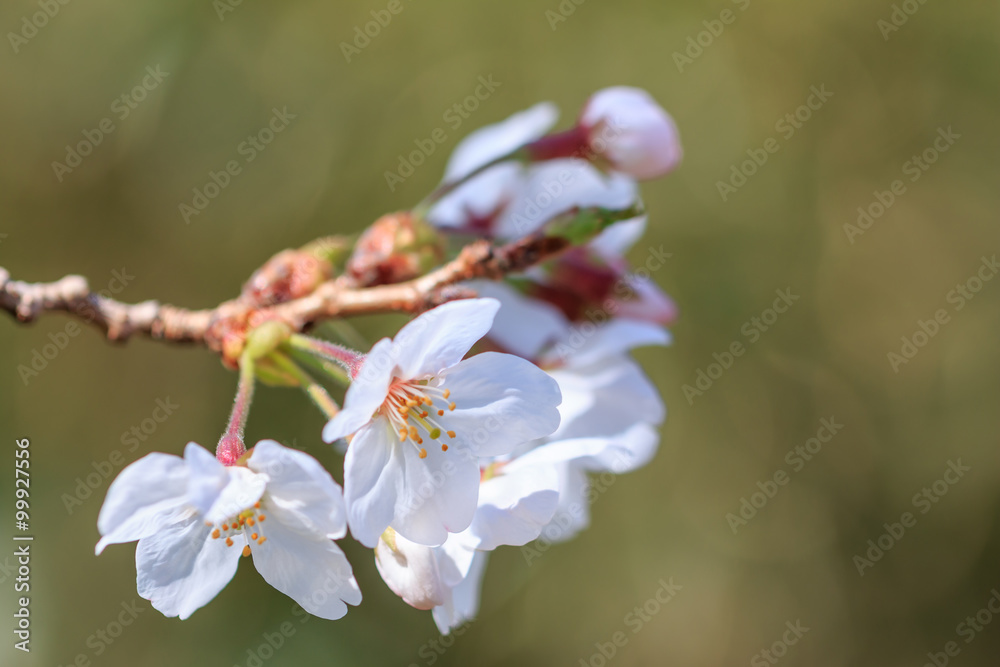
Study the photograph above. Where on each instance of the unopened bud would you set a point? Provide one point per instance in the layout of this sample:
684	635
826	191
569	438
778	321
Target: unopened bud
334	250
631	132
264	339
621	128
289	275
397	247
230	449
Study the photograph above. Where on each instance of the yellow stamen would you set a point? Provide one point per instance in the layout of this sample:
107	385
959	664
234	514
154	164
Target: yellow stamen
440	413
229	541
262	540
261	517
423	454
447	393
444	448
451	434
253	536
246	550
451	406
215	534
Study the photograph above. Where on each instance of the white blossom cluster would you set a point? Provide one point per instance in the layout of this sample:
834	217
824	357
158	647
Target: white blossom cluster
477	425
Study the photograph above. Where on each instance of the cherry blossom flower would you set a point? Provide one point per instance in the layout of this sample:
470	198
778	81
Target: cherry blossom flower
515	503
621	130
421	417
193	518
604	390
510	199
609	408
598	381
575	459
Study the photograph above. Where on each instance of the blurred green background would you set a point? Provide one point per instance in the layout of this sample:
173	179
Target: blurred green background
784	229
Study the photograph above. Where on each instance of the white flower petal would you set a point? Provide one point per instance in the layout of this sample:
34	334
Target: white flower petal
502	401
312	571
648	302
366	393
614	242
588	344
455	557
572	516
464	603
411	571
142	494
621	453
439	493
494	141
605	398
510	331
472	206
440	337
180	568
373	480
300	492
208	477
630	451
554	187
514	507
573	458
243	490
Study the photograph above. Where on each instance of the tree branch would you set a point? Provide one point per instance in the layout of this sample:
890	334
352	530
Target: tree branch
118	321
332	298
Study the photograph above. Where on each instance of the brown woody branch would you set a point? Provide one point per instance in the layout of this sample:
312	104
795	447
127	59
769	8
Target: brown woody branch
331	299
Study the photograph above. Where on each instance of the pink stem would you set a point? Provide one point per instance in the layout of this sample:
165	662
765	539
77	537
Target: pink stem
574	142
231	446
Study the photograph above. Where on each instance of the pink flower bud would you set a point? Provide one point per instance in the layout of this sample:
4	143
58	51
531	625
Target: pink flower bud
230	449
626	127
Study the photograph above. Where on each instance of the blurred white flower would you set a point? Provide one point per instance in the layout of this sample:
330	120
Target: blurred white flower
515	503
604	391
575	459
609	410
194	517
418	387
511	199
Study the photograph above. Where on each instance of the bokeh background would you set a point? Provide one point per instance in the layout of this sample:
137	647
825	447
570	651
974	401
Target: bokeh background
784	229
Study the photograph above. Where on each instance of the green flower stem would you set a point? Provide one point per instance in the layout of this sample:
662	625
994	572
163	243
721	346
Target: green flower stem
344	332
580	225
316	392
346	357
324	366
